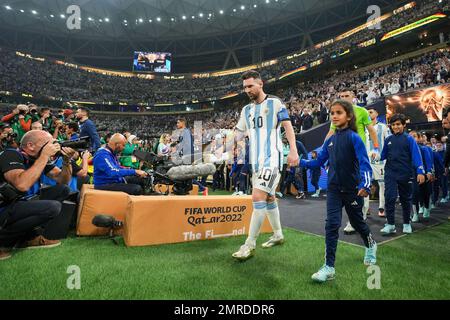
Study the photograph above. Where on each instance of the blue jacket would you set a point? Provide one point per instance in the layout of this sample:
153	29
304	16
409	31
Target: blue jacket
427	158
73	183
88	129
402	155
349	166
301	150
438	159
315	173
107	169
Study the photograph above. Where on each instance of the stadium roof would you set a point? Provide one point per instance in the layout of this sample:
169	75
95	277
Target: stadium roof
112	29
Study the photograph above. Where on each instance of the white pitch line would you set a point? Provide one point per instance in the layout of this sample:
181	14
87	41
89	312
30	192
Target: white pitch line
322	236
222	235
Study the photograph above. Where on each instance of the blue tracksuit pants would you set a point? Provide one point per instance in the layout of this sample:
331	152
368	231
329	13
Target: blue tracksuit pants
393	188
353	204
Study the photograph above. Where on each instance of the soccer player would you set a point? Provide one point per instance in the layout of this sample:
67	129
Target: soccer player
262	120
382	132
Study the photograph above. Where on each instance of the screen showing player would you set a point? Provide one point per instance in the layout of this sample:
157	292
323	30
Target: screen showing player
158	62
423	105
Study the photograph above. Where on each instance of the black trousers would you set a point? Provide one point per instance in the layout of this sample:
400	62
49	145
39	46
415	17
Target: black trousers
134	186
25	220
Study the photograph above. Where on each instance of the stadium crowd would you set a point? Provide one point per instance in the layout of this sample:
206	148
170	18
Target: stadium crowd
46	78
308	103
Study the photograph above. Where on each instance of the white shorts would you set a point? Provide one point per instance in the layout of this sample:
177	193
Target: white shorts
378	172
266	179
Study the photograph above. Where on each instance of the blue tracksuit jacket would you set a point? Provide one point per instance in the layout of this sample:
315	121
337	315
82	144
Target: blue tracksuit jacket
427	158
349	166
107	169
402	155
438	159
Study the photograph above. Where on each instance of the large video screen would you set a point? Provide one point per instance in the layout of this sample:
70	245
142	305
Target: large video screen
423	105
158	62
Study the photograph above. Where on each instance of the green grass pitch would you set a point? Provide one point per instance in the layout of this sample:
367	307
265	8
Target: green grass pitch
412	267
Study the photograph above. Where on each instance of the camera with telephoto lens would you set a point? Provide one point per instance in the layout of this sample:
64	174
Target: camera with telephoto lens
80	144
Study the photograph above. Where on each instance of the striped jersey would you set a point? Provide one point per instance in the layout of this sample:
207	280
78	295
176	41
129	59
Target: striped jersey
262	122
383	132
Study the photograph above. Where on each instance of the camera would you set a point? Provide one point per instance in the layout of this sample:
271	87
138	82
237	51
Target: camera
11	136
9	140
79	144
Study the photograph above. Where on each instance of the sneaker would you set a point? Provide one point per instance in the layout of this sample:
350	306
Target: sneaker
39	242
415	218
407	228
315	195
349	229
432	206
245	252
388	229
279	194
300	195
325	273
381	213
273	241
443	200
421	210
4	254
370	256
426	213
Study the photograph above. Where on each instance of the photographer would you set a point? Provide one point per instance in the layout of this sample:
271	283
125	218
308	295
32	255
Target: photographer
128	160
109	175
34	113
19	119
22	222
59	130
8	138
46	119
36	126
72	131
